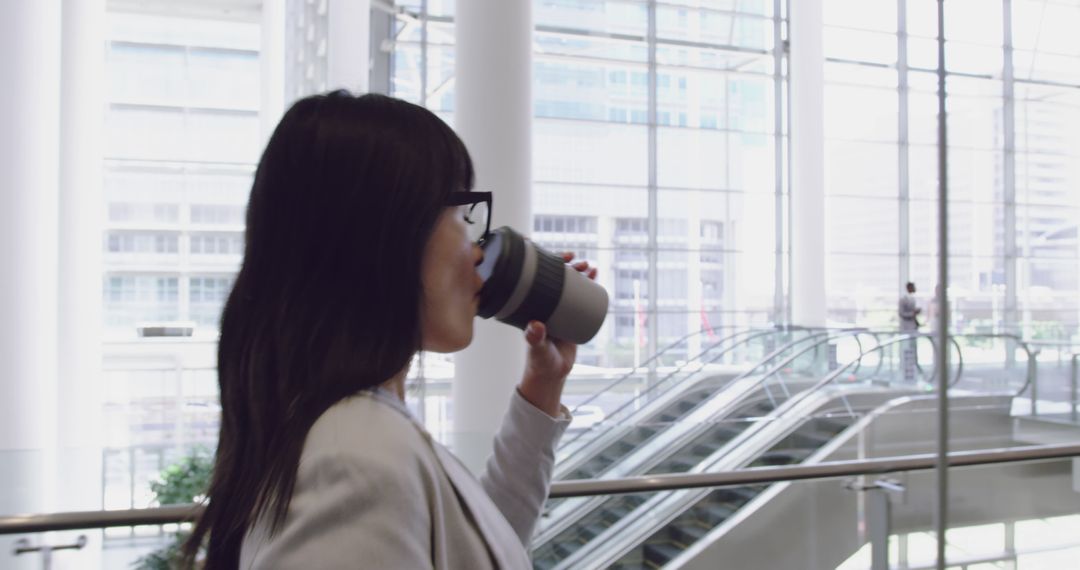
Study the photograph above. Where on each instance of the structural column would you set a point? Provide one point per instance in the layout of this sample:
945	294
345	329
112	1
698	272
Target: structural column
81	210
271	67
348	51
493	65
29	157
807	109
77	484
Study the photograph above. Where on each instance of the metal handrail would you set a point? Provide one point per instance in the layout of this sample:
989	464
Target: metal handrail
1074	370
824	470
775	369
840	370
754	334
780	328
773	365
173	514
658	354
816	333
1030	379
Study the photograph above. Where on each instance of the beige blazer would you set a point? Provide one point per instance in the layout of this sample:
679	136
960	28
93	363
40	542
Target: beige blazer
374	490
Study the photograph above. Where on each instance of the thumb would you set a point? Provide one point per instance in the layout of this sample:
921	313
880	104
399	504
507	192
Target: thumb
535	333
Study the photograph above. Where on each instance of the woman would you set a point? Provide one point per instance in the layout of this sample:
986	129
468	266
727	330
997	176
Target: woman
358	255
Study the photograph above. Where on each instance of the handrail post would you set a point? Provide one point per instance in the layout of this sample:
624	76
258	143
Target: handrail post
1073	364
879	517
1033	378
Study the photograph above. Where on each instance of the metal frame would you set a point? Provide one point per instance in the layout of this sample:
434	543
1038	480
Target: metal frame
903	144
653	198
24	524
781	309
941	461
1008	199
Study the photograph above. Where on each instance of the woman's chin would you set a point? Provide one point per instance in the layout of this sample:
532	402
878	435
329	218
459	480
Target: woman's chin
450	344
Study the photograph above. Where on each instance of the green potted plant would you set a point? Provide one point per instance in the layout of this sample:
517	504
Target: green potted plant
180	483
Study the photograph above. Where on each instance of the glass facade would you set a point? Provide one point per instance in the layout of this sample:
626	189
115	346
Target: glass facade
182	137
652	154
660	155
182	129
1013	178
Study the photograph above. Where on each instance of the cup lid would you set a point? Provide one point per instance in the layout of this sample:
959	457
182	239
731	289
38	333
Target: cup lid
504	257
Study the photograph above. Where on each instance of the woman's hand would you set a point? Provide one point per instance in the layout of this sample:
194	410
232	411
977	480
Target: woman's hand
550	359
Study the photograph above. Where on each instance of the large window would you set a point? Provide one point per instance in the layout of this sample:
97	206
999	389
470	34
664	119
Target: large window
699	100
182	137
1014	115
182	128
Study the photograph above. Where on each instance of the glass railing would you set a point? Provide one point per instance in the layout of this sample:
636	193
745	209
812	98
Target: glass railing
809	404
661	372
1012	504
686	388
786	425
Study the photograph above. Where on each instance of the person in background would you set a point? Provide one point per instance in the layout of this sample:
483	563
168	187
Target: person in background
909	310
909	324
361	250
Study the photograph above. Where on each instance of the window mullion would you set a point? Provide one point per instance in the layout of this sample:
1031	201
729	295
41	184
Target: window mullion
903	142
654	328
1009	170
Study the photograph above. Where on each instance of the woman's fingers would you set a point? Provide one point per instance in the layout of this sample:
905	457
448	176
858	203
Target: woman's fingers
582	266
535	333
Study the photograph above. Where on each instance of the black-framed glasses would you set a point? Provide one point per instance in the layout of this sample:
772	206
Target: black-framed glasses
476	212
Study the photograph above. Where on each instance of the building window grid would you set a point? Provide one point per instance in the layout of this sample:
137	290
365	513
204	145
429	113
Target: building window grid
644	82
163	226
1013	225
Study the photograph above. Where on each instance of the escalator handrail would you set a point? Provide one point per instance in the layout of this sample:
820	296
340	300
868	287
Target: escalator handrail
1023	344
652	358
830	335
755	333
658	354
833	335
779	367
620	540
832	376
779	328
816	331
794	401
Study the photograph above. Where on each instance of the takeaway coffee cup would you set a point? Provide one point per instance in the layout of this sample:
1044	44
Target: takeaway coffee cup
523	282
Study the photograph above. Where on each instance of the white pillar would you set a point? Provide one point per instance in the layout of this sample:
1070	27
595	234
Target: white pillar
493	64
271	67
78	484
807	76
29	156
82	115
348	52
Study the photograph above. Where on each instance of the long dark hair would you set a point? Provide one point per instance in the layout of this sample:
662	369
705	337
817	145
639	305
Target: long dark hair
327	300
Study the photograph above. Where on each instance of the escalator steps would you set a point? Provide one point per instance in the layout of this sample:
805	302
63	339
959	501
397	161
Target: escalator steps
660	553
550	553
689	534
713	515
611	454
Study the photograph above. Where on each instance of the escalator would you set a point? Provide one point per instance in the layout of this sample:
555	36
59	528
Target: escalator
785	427
549	553
643	418
685	444
740	348
719	505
